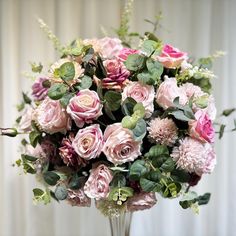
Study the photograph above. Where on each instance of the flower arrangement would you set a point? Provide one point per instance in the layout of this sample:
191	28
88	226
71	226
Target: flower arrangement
118	125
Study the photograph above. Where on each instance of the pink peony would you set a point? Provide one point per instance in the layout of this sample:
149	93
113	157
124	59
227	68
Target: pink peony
88	142
120	146
26	118
97	185
194	156
141	201
125	52
171	57
141	93
192	90
163	131
202	128
110	47
52	117
78	198
117	75
85	107
168	91
39	92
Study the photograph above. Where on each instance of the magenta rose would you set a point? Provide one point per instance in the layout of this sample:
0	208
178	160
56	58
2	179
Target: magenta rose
39	91
97	185
52	117
125	52
171	57
141	201
117	74
120	146
202	128
84	107
141	93
88	142
168	91
78	198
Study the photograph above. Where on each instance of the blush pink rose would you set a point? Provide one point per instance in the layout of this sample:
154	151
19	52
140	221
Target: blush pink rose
52	117
125	52
171	57
26	118
168	91
202	128
78	198
120	146
141	93
88	142
97	185
110	47
84	107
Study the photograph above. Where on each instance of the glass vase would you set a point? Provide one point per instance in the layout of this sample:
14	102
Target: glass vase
120	226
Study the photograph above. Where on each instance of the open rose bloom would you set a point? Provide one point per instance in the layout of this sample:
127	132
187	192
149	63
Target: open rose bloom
120	126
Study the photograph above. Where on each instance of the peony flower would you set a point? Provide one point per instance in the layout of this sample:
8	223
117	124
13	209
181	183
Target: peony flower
78	198
97	185
194	156
120	146
202	128
117	75
26	118
171	57
163	131
125	52
110	47
39	92
52	117
140	93
141	201
84	107
88	142
168	91
68	154
192	90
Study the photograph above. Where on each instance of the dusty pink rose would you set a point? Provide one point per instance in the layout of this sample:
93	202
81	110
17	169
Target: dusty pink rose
97	185
117	74
202	128
88	142
39	91
78	198
141	201
171	57
125	52
194	156
120	146
141	93
52	117
110	47
84	107
26	118
168	91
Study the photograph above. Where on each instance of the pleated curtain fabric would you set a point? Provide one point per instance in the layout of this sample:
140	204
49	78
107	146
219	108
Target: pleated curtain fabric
199	27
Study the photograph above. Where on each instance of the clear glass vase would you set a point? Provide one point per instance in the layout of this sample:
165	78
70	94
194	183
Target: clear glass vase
120	226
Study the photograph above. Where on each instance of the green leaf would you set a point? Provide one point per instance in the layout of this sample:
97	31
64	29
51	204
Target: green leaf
168	165
38	192
228	112
67	71
51	178
139	110
26	99
205	62
120	194
156	151
118	180
77	182
155	68
109	112
89	55
28	158
41	196
179	115
66	99
128	122
202	101
34	137
140	130
204	199
145	77
86	83
61	192
221	132
138	169
135	62
113	100
149	185
57	91
148	47
28	167
180	176
36	68
128	106
100	70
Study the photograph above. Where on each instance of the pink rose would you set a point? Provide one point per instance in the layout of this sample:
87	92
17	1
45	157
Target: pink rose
85	107
78	198
202	128
125	52
88	142
110	47
97	185
171	57
39	92
117	74
26	118
140	93
141	201
52	117
120	146
168	91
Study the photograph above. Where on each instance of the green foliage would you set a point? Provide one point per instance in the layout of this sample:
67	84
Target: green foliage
228	112
120	194
36	68
86	83
128	106
66	99
41	196
61	192
67	71
57	91
140	129
138	169
113	100
135	62
149	47
34	137
157	151
118	180
202	101
51	177
76	181
221	131
26	99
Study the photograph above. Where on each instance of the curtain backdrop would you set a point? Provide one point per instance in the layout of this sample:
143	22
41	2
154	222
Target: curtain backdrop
197	26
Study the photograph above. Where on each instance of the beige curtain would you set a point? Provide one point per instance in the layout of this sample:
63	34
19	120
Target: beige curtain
197	26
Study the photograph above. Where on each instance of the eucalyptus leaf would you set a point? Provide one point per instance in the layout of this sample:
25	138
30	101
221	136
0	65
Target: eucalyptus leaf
51	178
57	91
128	106
34	137
135	62
67	71
138	169
66	98
113	100
140	130
85	83
61	192
148	47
